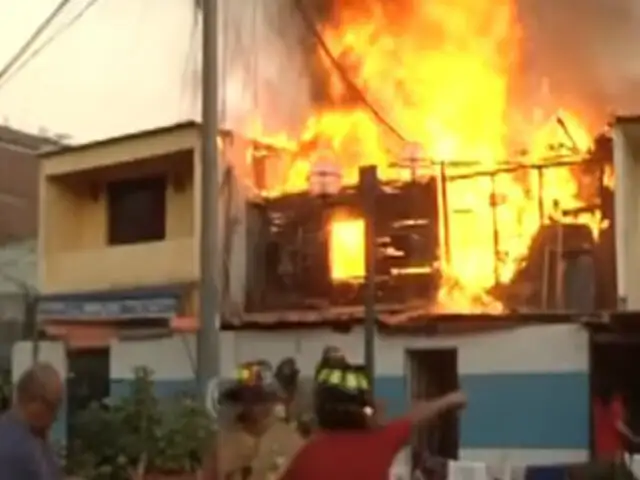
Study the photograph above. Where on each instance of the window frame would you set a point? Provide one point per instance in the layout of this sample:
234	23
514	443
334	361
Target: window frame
136	210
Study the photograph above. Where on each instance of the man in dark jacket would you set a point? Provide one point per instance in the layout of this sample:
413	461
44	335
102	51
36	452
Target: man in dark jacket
25	453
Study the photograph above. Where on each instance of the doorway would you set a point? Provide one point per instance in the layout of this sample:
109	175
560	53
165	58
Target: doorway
87	382
615	370
432	373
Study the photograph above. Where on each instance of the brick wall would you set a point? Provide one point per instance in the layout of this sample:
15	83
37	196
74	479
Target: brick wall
19	183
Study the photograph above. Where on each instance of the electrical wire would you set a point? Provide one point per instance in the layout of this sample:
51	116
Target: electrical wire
311	24
46	23
47	43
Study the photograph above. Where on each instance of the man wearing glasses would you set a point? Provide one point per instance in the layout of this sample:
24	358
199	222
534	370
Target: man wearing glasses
25	453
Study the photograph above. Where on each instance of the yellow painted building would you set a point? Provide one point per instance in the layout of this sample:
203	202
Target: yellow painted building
119	227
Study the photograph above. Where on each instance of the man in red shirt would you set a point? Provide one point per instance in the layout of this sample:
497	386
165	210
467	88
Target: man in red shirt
350	445
610	429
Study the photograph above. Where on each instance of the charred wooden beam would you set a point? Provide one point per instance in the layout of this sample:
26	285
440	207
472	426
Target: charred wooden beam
406	237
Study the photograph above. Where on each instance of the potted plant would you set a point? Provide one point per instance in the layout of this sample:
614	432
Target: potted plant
184	435
140	437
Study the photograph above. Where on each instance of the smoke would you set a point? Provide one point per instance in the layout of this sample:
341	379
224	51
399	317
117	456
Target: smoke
575	55
264	71
585	52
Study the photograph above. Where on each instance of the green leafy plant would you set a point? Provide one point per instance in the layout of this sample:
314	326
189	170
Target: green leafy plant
139	433
186	431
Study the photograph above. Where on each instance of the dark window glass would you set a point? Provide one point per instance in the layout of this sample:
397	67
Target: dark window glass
137	210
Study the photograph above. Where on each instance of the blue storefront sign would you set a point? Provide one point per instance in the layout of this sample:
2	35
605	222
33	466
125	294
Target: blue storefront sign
111	306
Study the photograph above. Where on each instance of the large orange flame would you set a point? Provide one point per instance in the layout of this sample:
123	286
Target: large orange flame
440	72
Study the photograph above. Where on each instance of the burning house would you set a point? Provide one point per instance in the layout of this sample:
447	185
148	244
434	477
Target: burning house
435	248
487	206
314	246
485	202
534	235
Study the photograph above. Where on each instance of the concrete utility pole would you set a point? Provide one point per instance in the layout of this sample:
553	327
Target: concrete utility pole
208	352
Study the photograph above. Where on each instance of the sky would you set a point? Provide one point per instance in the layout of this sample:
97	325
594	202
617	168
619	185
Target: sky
124	66
131	64
134	64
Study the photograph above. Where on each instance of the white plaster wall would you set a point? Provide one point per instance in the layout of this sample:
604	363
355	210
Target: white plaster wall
627	218
539	348
54	353
170	358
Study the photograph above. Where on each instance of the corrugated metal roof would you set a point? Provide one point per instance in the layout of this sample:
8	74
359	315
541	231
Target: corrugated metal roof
399	318
324	316
24	140
18	265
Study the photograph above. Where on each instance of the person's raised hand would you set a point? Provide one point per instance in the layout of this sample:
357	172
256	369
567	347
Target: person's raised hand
456	400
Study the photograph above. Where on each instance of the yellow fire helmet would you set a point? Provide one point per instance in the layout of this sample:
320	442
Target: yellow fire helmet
254	383
341	388
349	379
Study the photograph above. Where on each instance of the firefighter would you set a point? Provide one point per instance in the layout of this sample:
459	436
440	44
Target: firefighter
256	445
354	444
297	405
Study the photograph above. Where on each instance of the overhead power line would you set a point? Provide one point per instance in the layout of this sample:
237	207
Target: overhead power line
311	24
47	43
46	23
